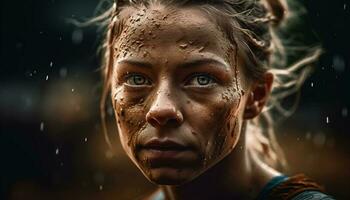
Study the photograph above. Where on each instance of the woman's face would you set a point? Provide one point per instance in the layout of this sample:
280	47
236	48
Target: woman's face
176	91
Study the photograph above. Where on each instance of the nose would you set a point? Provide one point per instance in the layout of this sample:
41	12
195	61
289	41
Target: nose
164	111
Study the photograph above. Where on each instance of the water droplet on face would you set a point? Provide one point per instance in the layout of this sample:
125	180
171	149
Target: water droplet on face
183	46
42	126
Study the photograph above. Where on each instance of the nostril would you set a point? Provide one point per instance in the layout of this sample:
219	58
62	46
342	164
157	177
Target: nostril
153	122
161	118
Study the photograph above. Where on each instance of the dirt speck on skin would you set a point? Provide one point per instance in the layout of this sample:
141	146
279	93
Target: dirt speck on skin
201	49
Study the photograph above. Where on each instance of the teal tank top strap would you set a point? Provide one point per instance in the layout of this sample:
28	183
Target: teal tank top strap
270	185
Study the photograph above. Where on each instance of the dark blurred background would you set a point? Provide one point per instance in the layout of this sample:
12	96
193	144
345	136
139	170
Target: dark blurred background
52	146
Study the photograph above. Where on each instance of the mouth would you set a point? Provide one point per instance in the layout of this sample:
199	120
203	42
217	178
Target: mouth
166	153
164	145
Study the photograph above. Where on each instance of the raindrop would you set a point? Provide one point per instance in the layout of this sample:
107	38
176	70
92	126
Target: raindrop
42	126
344	6
57	151
319	139
77	36
100	187
51	64
344	112
312	84
63	72
72	89
109	154
85	139
47	77
34	72
308	135
327	120
338	63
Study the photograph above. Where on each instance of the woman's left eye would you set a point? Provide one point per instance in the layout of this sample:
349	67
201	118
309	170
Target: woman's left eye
201	80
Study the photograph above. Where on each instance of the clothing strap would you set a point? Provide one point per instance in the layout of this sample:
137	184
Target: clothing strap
292	187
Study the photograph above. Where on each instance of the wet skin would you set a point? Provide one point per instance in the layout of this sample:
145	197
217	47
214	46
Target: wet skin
177	93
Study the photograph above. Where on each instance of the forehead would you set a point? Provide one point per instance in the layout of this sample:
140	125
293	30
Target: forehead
169	27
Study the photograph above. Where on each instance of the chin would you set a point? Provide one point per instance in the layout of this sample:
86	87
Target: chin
169	176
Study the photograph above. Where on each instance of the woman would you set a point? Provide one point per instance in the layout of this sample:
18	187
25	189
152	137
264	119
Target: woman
189	81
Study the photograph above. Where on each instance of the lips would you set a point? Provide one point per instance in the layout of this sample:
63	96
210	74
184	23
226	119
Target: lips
165	145
166	153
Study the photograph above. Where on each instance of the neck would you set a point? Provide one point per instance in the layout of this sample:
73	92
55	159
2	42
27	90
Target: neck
237	176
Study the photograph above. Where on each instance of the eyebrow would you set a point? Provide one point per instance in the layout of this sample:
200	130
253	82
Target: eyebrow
190	63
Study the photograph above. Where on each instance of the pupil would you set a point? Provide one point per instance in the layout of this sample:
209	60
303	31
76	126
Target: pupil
138	80
202	80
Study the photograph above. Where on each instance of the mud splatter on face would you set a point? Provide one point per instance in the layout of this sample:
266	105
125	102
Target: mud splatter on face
176	62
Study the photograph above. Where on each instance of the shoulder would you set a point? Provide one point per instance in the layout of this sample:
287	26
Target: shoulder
298	187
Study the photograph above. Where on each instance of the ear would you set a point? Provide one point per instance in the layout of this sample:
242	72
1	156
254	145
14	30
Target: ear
258	96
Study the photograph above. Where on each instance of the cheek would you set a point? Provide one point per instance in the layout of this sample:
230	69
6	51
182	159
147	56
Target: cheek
218	125
130	117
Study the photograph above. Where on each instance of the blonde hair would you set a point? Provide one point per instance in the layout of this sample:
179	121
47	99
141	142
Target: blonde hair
252	26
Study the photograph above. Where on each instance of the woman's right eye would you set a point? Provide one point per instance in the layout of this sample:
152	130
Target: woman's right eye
137	80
